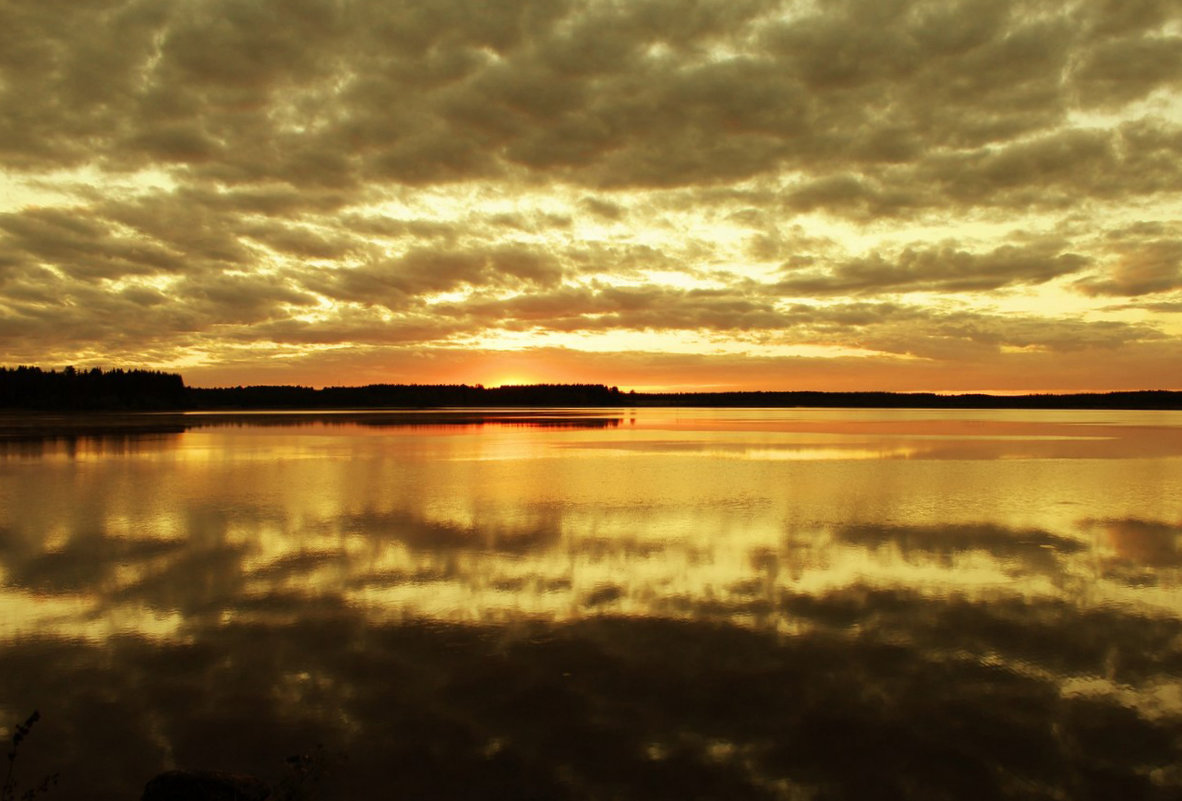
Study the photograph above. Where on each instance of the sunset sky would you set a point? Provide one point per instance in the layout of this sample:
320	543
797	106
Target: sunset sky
655	194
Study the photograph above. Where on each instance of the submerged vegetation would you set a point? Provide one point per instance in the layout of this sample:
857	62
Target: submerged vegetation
301	780
33	388
10	790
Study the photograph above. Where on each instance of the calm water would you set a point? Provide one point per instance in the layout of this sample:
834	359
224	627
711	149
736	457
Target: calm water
718	603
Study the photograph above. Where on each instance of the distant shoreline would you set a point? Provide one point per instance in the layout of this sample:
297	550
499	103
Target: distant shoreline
600	396
380	397
69	390
1141	399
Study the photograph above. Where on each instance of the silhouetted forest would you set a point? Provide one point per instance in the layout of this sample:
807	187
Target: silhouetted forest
379	396
33	388
90	390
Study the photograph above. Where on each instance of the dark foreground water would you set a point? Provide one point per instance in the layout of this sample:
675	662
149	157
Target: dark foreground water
651	604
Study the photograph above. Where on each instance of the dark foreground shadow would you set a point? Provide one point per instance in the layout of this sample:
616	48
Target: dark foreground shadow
613	708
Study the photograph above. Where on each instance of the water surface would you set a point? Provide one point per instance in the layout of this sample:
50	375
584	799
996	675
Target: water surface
652	603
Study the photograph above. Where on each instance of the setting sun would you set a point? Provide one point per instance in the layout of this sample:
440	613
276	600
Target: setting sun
512	381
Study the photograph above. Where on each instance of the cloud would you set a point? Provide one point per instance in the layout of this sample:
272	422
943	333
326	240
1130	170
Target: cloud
1113	18
354	330
1147	268
82	247
302	242
632	308
607	95
371	172
914	363
945	268
1144	258
429	271
1124	70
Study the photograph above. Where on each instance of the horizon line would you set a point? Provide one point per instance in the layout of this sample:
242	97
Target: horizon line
682	389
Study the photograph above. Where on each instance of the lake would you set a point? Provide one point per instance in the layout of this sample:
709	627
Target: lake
598	604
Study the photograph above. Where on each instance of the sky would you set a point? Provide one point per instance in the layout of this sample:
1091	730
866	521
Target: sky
983	195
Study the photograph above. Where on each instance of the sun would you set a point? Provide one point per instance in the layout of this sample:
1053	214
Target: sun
510	379
520	368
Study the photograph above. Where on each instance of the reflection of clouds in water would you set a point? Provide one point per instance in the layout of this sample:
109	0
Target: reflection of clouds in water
1144	555
543	564
997	540
1142	542
913	703
85	563
911	690
663	624
435	535
1017	552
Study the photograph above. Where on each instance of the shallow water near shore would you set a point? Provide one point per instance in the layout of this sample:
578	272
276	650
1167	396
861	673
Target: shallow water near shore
587	604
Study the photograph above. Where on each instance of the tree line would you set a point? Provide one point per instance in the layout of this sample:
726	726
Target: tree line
89	390
33	388
378	396
70	389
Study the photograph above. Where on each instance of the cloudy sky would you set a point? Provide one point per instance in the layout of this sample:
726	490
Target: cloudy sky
847	194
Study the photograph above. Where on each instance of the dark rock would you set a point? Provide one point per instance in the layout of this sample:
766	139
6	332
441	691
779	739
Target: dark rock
204	785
